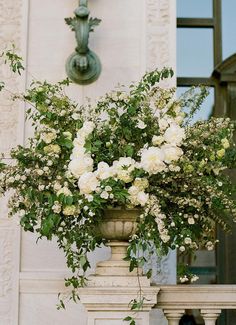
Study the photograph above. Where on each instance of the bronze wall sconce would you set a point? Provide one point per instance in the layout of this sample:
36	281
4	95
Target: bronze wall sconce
83	66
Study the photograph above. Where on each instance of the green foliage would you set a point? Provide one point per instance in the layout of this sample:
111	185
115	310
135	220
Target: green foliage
13	60
134	148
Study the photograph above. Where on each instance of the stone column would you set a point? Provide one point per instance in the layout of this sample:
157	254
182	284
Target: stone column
173	316
111	290
210	316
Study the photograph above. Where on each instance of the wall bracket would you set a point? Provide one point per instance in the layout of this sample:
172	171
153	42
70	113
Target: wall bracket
83	66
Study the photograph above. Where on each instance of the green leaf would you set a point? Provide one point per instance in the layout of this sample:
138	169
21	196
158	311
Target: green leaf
69	200
129	150
48	225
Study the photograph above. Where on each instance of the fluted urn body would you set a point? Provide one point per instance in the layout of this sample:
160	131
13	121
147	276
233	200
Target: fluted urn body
118	224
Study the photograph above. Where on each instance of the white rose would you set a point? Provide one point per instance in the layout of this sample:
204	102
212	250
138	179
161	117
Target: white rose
104	116
182	248
77	152
157	140
174	134
194	278
57	186
79	141
191	221
120	111
152	160
75	116
165	238
141	125
184	279
179	119
104	195
104	171
124	175
56	208
133	190
79	166
173	168
163	124
48	137
89	126
225	143
125	162
88	183
89	197
52	148
86	129
64	190
142	198
188	240
41	187
209	246
70	210
172	153
141	183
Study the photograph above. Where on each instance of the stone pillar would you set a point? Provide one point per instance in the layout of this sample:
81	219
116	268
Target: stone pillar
111	290
210	316
173	316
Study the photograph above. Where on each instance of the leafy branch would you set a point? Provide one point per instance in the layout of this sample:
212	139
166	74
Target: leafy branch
13	60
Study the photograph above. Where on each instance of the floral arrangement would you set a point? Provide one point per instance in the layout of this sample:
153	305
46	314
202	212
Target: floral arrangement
132	148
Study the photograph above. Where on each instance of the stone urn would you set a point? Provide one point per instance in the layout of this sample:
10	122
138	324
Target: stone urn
117	226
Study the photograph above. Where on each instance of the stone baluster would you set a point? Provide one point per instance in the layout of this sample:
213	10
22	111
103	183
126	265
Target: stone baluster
210	316
173	315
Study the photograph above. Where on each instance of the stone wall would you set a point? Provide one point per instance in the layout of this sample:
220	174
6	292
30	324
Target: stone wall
134	36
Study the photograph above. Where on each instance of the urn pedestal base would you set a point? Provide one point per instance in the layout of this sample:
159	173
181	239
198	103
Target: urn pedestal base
110	304
109	292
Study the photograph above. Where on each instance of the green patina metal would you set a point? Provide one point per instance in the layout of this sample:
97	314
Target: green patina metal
83	66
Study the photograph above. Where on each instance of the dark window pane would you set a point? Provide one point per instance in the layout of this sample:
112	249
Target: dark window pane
194	8
194	52
206	109
228	27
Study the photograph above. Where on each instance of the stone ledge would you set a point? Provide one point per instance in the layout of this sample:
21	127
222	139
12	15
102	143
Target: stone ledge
197	297
112	299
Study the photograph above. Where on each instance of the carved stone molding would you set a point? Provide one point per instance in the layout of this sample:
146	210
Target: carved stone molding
160	33
10	33
8	279
160	52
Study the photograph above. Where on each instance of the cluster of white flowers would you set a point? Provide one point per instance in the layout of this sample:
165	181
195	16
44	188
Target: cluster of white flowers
185	278
47	134
137	192
157	159
154	209
81	161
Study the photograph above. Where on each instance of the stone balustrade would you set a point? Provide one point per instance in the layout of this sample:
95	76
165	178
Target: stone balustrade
209	299
107	297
